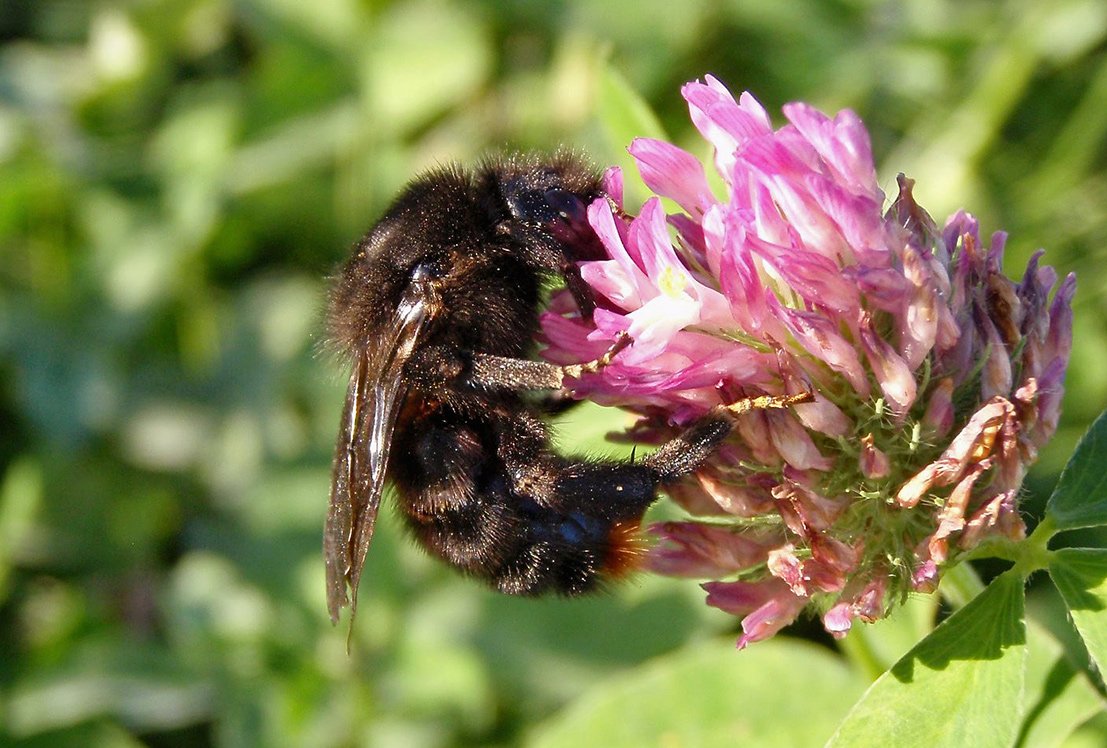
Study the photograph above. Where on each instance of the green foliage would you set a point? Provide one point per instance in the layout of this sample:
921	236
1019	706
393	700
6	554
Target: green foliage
1058	698
1080	499
1081	576
976	678
177	178
962	684
690	698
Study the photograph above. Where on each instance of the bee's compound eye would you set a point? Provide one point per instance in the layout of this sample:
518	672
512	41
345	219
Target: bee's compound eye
567	205
528	205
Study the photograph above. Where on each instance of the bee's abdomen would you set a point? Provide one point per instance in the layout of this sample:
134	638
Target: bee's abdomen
569	555
563	529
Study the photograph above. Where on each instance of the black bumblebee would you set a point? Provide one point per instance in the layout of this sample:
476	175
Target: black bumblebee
438	309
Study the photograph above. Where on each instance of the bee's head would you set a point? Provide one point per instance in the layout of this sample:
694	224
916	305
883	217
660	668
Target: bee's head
543	198
550	194
545	191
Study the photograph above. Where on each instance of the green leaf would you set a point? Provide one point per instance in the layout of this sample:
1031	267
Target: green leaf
1059	697
85	735
1080	498
1081	576
423	58
134	683
961	685
625	115
713	696
20	497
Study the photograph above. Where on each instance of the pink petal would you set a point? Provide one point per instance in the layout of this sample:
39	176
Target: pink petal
874	463
838	620
938	418
654	324
1000	516
611	279
997	378
769	619
742	598
842	144
869	605
952	517
613	185
971	445
814	511
813	277
784	565
824	417
919	326
607	229
723	122
673	173
733	498
794	443
821	338
649	233
692	549
895	378
925	578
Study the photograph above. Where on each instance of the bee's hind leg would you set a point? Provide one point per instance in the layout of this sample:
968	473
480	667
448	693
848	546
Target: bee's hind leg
688	450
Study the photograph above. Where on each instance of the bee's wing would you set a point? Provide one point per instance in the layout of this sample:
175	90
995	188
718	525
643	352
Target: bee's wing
373	402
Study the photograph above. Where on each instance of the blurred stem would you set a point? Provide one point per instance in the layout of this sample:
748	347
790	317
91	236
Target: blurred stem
857	647
960	584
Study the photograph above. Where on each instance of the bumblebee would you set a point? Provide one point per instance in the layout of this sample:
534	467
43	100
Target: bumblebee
437	311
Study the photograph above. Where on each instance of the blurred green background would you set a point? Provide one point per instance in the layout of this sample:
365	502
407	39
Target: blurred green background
177	178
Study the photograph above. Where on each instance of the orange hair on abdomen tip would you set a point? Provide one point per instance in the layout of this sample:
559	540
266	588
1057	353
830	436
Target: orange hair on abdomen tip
626	548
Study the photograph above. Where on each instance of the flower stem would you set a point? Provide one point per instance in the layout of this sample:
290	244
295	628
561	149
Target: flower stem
1045	530
960	584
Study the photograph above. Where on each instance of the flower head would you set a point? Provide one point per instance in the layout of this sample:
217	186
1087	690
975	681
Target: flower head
935	377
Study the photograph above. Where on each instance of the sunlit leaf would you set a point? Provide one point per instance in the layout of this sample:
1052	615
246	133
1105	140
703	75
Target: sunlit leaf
1081	576
1059	697
625	115
178	178
424	57
20	496
1080	498
713	696
85	735
135	684
961	685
